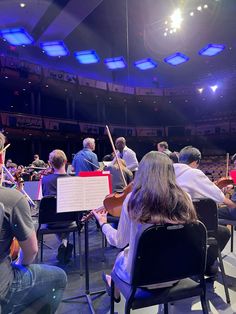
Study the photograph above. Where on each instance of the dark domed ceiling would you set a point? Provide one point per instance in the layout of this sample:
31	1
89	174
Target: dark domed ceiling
133	29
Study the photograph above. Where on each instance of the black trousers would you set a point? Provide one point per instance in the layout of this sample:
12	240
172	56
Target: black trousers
223	236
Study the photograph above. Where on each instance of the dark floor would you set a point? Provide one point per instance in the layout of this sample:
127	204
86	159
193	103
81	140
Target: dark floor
102	260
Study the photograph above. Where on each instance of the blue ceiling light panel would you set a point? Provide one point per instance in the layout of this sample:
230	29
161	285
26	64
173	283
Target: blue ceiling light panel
176	58
115	63
211	50
16	36
87	56
55	48
145	64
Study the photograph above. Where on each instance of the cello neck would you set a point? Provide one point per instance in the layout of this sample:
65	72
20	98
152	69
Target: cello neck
116	156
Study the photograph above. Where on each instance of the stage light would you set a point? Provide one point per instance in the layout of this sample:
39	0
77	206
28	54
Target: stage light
16	36
191	14
205	6
55	48
145	64
115	63
211	50
87	56
176	58
200	90
214	88
22	5
199	8
176	19
165	34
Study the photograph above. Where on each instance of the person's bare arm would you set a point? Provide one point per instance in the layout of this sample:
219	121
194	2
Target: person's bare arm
229	203
29	249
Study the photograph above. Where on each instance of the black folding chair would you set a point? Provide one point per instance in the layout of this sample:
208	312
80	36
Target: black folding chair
48	215
1	214
232	224
207	212
161	254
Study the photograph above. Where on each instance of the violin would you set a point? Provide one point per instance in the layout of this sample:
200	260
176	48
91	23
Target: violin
14	249
112	203
223	182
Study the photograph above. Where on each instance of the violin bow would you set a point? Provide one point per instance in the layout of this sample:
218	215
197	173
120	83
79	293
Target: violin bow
21	190
227	165
116	156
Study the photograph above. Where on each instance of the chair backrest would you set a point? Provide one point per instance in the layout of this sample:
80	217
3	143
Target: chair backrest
48	212
207	213
1	215
169	252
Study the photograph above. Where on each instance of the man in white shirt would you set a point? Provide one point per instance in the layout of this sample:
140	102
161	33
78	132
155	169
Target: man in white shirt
199	186
127	154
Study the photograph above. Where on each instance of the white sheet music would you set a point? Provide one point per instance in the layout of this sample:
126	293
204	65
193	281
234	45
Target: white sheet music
81	193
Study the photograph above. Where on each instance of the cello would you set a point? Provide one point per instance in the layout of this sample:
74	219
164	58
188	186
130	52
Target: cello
113	202
223	182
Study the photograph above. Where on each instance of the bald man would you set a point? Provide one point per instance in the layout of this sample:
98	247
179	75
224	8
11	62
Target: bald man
127	154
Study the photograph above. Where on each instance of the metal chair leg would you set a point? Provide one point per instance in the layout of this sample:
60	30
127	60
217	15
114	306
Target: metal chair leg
166	308
74	246
222	269
232	238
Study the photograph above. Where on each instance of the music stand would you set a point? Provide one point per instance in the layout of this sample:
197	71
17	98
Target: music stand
87	294
61	202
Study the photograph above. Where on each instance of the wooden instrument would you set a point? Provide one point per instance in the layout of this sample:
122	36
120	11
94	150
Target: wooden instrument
112	203
14	249
21	190
224	181
116	156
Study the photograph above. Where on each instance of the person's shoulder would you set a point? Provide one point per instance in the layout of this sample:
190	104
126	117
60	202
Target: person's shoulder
11	194
129	150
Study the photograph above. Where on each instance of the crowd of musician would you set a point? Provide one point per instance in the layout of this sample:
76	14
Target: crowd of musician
164	184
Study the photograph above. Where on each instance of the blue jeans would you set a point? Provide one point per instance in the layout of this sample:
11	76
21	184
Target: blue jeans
35	289
227	213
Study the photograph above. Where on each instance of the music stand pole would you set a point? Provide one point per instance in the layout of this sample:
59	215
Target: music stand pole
87	293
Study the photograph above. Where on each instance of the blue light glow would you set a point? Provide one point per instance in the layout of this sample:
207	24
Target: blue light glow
145	64
211	50
176	58
87	56
16	36
115	63
55	48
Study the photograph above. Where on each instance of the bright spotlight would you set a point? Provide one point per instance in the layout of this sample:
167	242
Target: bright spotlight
214	88
191	13
176	19
200	90
165	34
199	8
205	6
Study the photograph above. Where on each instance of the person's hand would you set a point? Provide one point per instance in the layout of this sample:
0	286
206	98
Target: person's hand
227	188
101	216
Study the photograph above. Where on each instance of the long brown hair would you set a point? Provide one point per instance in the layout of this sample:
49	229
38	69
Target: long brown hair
156	198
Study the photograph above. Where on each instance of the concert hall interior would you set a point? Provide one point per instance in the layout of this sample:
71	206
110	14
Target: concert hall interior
114	116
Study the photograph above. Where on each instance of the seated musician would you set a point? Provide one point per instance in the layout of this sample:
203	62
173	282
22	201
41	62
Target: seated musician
118	184
58	160
227	212
25	286
155	199
199	186
38	163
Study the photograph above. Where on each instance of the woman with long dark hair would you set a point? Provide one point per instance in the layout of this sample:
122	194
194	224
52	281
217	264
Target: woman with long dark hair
155	199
